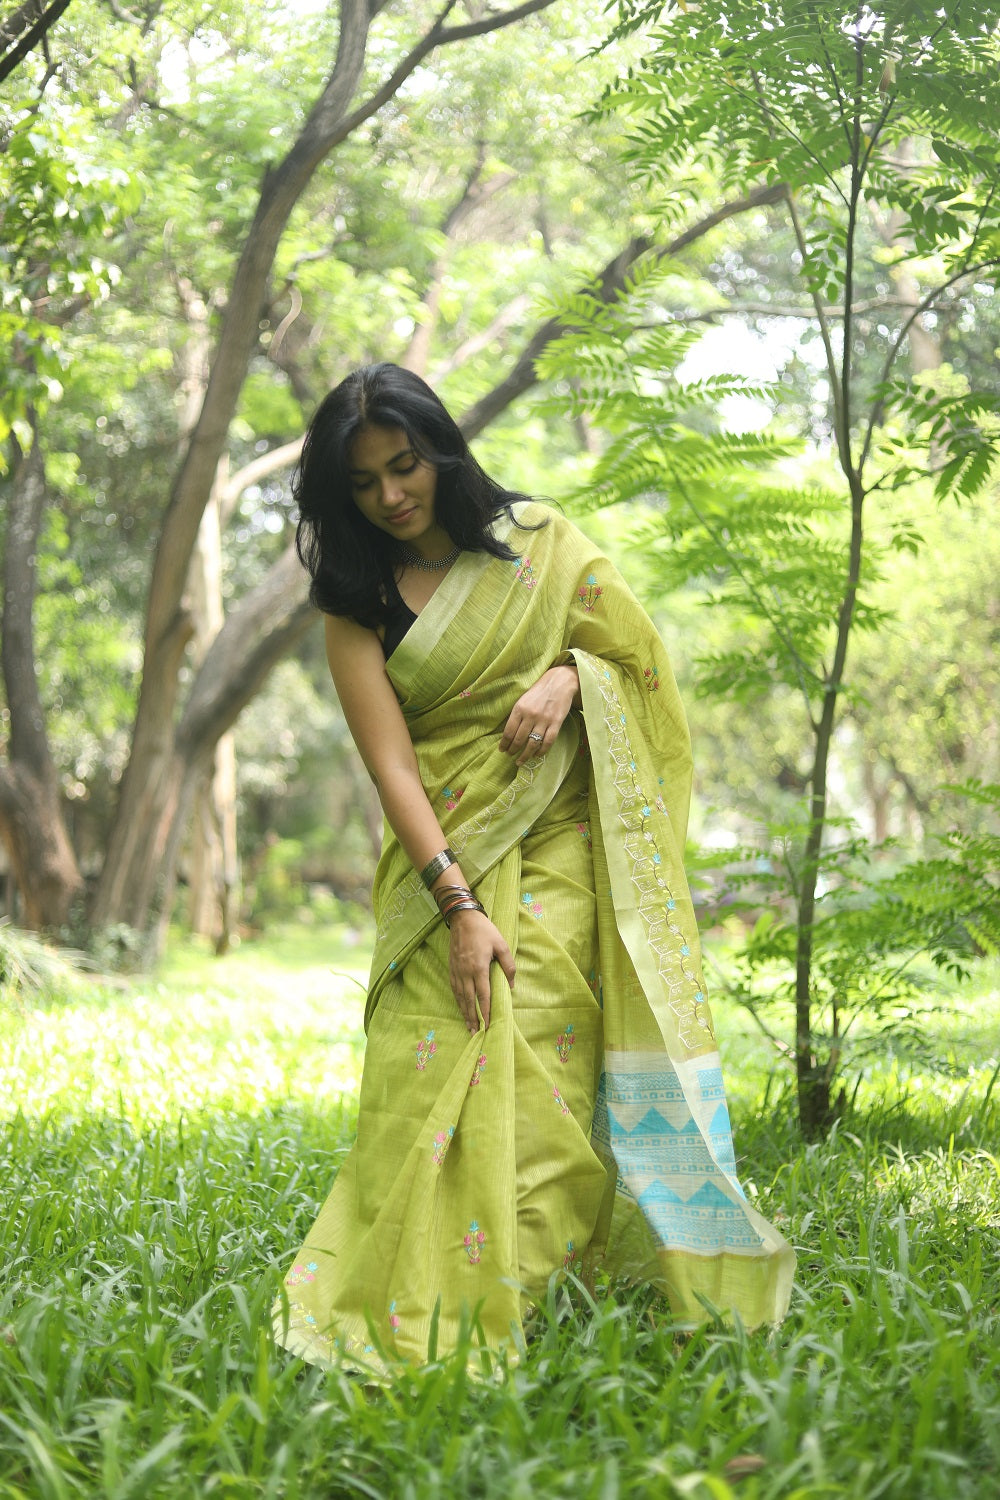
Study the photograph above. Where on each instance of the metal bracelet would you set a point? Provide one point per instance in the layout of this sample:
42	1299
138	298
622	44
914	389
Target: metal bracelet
446	892
462	906
436	867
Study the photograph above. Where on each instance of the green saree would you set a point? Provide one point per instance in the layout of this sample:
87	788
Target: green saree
588	1125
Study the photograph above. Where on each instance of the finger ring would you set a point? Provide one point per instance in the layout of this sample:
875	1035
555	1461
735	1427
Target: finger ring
536	736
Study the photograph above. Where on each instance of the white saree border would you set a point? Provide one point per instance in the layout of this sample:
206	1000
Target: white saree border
661	1115
408	912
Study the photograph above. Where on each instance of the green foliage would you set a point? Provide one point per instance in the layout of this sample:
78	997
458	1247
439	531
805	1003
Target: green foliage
32	972
879	934
63	199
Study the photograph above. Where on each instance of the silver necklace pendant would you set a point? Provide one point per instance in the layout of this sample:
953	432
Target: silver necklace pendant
413	559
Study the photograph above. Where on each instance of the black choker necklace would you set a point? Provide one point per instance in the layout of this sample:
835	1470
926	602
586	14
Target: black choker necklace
413	559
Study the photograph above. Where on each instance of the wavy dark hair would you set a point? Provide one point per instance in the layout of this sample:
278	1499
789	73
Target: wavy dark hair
350	561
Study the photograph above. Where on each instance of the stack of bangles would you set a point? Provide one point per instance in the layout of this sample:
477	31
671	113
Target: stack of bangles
450	897
456	898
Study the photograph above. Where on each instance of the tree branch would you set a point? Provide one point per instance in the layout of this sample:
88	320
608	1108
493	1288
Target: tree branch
774	310
879	407
257	469
36	33
610	283
438	36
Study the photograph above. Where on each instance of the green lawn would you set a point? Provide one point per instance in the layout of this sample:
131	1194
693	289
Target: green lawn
164	1146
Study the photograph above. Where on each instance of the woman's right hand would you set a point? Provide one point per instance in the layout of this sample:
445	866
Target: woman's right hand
475	944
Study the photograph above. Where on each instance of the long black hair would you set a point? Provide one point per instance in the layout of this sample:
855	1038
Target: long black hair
350	561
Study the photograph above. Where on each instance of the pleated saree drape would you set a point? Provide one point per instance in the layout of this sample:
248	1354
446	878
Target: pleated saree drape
589	1123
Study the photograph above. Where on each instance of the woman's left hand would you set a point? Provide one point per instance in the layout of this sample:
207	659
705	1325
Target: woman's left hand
538	714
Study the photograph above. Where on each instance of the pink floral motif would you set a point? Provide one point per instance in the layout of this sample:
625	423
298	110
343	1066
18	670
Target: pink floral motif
425	1051
441	1143
569	1259
299	1274
465	693
589	593
535	907
560	1100
474	1242
583	829
453	798
525	573
564	1044
652	677
477	1071
394	1318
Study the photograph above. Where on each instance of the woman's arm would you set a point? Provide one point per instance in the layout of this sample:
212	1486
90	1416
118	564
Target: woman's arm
379	730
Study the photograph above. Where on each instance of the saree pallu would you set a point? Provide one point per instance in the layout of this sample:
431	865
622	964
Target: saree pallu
588	1126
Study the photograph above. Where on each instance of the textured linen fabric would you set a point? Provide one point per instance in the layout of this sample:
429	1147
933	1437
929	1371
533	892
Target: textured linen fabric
589	1123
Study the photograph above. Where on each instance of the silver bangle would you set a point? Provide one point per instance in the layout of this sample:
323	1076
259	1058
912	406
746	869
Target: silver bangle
472	905
436	867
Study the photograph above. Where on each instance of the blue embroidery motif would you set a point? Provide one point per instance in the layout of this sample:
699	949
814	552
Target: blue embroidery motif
682	1179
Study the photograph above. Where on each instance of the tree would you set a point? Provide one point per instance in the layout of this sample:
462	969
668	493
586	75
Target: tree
60	207
857	115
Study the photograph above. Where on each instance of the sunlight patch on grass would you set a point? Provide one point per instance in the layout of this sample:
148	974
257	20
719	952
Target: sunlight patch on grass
241	1031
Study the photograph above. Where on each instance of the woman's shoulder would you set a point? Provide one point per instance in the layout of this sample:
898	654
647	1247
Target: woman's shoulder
536	515
535	518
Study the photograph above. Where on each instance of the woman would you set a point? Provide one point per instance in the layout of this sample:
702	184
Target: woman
541	1084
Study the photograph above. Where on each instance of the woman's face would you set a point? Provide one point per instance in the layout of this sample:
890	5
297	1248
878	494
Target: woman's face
392	486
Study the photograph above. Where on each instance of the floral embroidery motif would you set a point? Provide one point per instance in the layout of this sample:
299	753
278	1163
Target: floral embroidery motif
535	907
453	798
570	1256
477	1071
394	1318
525	573
474	1242
441	1143
425	1051
299	1274
664	935
652	677
589	593
564	1044
659	804
583	829
465	693
560	1100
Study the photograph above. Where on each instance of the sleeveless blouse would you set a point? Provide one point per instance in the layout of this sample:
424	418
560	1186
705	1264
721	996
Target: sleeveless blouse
401	617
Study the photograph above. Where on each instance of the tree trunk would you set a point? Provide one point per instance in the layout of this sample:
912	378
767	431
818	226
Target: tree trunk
32	825
148	789
213	862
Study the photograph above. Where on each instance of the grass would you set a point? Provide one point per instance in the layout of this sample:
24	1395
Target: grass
164	1147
